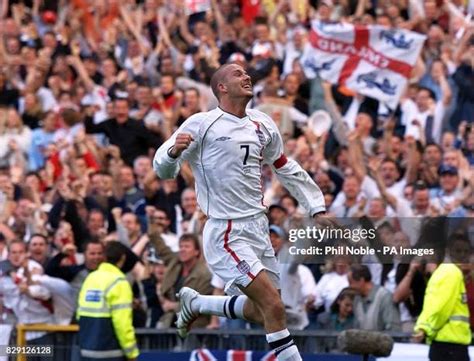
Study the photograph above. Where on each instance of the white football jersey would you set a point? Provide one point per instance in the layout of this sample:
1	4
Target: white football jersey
226	158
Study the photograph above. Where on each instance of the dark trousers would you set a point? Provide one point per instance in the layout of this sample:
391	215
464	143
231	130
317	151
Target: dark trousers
444	351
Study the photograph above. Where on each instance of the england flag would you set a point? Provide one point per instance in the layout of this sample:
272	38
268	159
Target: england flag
239	355
231	355
372	60
202	354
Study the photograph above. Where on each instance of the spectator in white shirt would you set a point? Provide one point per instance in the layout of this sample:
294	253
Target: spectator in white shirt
364	123
39	249
455	158
186	212
377	211
351	188
426	112
433	155
386	168
128	227
431	161
170	238
405	210
31	303
390	175
446	197
141	168
15	139
295	49
421	200
71	126
188	202
332	283
144	110
298	287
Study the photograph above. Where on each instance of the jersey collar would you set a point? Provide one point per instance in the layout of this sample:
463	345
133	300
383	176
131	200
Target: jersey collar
233	116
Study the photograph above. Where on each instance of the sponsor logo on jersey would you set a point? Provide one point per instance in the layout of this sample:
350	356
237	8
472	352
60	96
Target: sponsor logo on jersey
222	139
243	267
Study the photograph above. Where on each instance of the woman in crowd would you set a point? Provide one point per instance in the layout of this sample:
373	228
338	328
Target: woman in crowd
339	318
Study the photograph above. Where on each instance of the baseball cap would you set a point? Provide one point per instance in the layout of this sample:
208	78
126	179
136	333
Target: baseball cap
447	169
277	230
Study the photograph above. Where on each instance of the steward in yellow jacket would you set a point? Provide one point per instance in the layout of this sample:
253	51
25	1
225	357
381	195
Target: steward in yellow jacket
444	321
104	313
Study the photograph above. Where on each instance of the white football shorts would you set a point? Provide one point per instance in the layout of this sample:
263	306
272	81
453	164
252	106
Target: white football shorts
237	250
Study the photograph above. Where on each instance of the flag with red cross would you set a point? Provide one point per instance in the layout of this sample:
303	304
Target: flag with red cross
372	60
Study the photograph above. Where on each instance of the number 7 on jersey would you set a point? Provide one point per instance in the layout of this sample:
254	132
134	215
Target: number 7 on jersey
247	151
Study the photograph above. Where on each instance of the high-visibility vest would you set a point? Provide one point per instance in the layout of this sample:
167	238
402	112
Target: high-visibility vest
445	315
105	316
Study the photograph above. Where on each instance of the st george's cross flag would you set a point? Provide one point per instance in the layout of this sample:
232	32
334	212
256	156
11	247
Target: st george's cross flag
372	60
239	355
234	355
202	354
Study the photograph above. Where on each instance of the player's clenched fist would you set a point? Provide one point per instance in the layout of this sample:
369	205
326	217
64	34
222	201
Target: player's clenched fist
182	142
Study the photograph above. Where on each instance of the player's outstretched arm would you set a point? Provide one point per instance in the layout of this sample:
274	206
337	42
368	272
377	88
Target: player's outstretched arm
291	174
301	186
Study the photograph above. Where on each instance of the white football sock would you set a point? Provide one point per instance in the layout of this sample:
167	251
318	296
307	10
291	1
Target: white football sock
224	306
283	345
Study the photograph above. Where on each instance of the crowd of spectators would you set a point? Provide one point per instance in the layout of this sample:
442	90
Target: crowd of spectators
90	89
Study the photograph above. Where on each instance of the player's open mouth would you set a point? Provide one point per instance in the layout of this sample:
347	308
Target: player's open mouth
248	86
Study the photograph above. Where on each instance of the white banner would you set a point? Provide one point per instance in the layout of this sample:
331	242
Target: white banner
412	352
371	60
197	6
